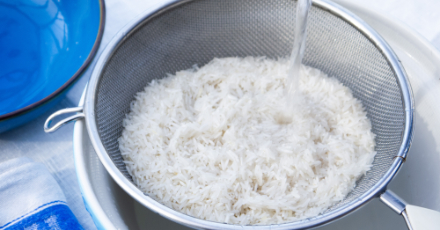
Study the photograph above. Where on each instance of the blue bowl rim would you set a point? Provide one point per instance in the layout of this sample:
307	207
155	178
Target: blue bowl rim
75	75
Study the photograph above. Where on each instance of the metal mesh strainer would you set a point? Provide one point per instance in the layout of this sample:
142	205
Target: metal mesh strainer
185	33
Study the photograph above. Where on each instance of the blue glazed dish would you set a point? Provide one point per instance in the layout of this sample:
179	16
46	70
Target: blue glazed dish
45	46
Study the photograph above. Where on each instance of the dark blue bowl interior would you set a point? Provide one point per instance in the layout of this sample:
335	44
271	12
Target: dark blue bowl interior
44	46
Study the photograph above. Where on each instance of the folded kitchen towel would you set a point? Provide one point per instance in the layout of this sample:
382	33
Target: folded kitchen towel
31	199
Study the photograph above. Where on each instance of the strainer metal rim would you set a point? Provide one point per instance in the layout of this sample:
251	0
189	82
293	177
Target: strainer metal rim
132	190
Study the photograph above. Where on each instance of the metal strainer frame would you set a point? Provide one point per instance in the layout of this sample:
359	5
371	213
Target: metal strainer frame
378	190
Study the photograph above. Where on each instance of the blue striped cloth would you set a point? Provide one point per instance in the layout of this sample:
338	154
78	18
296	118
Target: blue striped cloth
31	199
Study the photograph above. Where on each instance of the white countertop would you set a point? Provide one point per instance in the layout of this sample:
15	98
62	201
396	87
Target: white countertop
56	150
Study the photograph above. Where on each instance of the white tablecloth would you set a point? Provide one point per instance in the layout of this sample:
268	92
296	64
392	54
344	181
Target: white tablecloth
56	151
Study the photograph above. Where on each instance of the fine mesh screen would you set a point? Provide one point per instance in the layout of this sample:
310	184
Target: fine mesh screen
197	31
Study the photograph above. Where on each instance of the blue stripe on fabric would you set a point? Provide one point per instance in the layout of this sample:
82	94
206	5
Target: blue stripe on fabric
33	211
56	216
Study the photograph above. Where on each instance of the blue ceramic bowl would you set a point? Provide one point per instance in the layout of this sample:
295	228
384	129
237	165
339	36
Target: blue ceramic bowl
45	45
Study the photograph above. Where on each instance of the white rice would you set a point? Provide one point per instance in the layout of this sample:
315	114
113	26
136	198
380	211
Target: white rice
208	142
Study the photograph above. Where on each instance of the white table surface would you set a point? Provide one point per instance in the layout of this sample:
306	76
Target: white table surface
56	151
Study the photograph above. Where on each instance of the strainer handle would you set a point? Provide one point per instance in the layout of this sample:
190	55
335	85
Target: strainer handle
79	114
417	218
